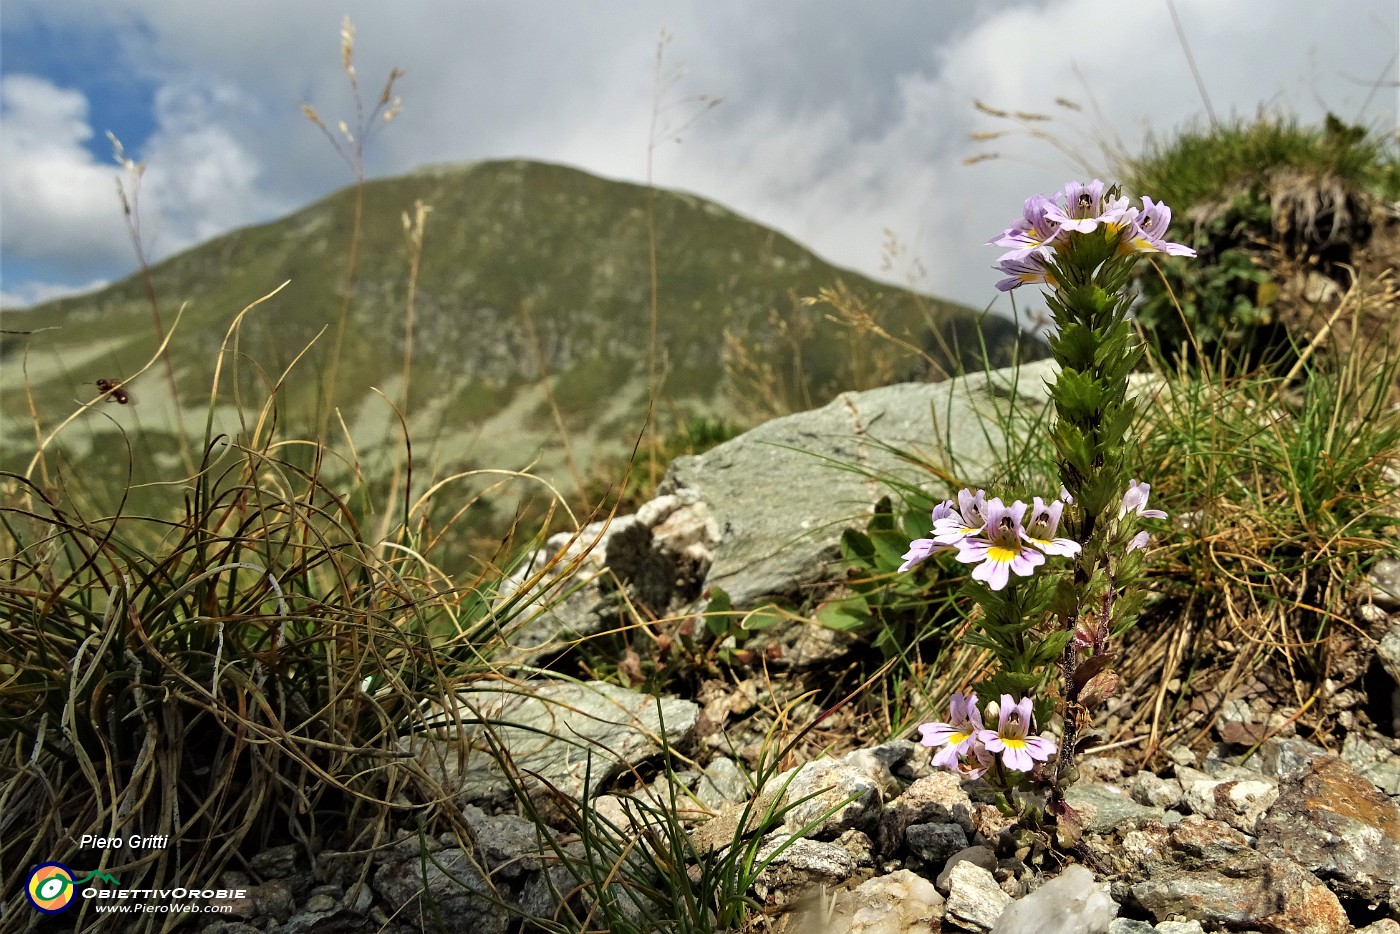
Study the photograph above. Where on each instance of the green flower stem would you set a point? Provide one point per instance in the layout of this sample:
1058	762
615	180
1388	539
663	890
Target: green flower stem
1096	350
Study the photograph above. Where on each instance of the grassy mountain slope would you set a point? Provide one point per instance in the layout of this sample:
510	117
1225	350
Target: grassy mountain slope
501	237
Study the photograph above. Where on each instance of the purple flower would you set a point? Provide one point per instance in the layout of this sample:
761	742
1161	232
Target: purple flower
921	548
1135	500
919	551
1140	540
1019	751
981	756
1148	230
967	520
1000	550
1033	232
1026	269
1085	208
956	737
1040	531
1046	224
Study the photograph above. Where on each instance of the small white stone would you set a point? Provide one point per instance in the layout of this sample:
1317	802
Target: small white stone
1071	903
1153	791
975	900
1180	927
899	903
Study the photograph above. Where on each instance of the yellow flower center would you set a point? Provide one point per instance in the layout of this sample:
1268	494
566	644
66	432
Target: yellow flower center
1001	554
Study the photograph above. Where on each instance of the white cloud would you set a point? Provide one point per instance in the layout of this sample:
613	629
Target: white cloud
836	125
62	208
203	176
34	293
60	205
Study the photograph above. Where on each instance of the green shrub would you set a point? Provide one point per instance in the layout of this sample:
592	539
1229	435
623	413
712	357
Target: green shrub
1254	199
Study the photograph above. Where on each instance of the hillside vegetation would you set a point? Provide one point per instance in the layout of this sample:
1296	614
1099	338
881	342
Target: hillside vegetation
532	277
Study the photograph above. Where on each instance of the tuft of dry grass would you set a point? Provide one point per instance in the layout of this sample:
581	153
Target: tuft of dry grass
1283	490
236	674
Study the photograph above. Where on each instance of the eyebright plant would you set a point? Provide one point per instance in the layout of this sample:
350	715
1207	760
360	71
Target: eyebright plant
1039	618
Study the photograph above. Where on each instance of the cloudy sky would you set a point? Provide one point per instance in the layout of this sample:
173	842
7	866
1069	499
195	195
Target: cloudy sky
843	124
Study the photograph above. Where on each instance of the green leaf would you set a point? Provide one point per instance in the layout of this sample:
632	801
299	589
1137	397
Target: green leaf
1051	648
882	519
719	625
890	549
1077	395
917	522
1072	446
1118	419
857	549
1016	683
888	641
719	601
718	610
1074	346
764	617
846	615
981	641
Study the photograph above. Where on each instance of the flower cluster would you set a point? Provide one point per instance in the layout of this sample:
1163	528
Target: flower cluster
994	536
1046	223
1135	502
969	749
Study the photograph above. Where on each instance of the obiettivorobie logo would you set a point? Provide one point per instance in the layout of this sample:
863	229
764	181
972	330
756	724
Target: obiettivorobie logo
51	886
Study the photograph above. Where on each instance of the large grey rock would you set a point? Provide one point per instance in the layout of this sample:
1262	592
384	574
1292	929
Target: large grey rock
938	798
576	737
795	865
1389	652
580	584
1383	926
1341	827
1179	927
1105	807
1372	762
1242	723
272	899
446	885
842	794
1239	802
1284	757
783	493
336	919
1203	870
1071	903
1151	790
980	856
509	846
1223	765
935	844
1130	926
279	862
543	891
722	782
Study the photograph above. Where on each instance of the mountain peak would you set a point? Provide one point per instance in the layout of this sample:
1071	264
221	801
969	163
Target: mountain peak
532	310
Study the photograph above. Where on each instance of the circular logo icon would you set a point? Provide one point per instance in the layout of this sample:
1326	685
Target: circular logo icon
50	888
